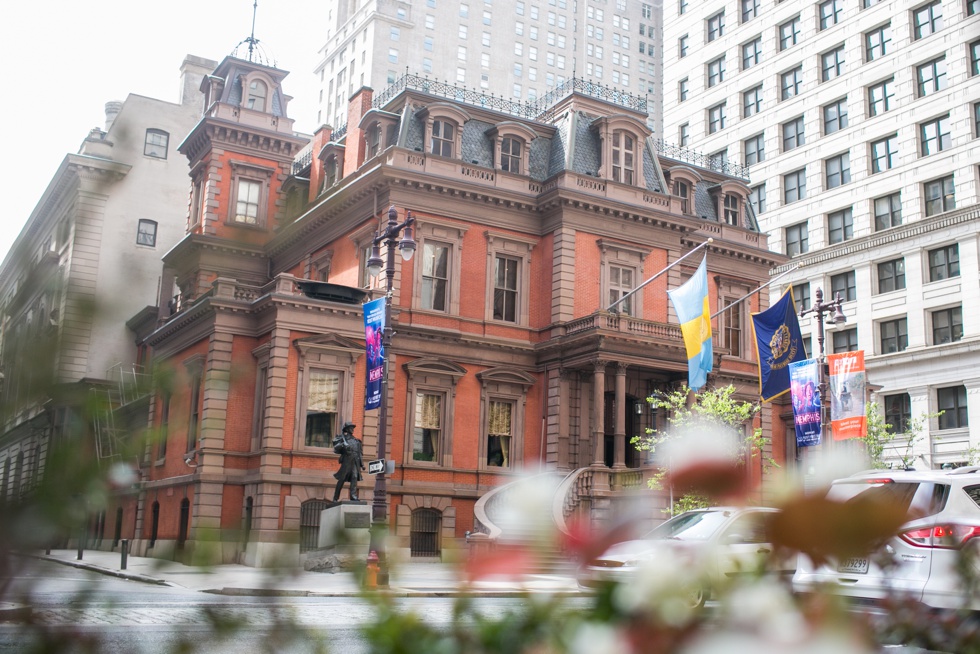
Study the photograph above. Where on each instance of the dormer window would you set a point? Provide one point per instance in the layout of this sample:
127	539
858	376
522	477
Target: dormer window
683	181
623	157
332	172
373	141
510	154
511	142
443	138
257	93
443	128
683	191
732	202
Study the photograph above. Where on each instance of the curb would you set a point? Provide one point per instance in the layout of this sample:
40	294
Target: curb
91	567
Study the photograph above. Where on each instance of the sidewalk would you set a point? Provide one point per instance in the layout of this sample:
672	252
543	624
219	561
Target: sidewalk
408	579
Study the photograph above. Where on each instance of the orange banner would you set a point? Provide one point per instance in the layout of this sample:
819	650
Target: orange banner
847	384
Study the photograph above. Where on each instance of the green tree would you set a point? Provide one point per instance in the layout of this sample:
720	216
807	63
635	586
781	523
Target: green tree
712	407
881	440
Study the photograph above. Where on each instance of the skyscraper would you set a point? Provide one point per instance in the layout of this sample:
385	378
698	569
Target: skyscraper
859	121
518	49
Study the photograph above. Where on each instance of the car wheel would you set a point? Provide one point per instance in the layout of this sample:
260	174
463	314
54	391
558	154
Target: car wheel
697	595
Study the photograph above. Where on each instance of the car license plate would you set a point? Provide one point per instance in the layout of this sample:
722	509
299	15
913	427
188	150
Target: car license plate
854	566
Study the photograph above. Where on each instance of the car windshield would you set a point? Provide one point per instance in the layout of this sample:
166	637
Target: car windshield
919	499
695	525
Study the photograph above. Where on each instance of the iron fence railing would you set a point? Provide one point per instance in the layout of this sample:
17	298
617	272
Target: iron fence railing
303	159
711	162
539	110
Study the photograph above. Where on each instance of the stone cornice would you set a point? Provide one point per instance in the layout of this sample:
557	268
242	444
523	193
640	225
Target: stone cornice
876	240
237	136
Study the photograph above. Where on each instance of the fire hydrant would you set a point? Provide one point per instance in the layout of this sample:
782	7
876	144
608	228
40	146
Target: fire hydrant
371	572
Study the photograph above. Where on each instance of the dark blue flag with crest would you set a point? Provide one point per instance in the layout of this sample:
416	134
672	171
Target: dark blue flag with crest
778	343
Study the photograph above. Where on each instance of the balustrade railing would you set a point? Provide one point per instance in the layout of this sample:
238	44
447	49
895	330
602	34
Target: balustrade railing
711	162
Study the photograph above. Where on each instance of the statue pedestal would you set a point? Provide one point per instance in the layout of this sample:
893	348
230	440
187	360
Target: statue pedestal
346	526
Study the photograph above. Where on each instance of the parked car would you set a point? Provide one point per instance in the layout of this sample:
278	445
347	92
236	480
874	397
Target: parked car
943	523
726	541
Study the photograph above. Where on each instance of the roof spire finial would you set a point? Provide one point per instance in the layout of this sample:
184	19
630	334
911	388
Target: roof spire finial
251	40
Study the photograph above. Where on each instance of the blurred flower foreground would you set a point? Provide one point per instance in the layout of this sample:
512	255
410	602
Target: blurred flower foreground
653	610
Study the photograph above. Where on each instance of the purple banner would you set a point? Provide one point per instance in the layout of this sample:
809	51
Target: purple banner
805	390
374	325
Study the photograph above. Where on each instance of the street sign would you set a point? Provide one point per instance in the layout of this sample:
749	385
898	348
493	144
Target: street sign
374	467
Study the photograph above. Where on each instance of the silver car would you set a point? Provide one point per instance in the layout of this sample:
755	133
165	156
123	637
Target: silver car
730	540
943	524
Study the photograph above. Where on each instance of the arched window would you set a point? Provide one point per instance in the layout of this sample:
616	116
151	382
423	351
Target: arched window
623	157
332	172
185	521
248	518
117	534
443	128
443	138
424	537
732	203
154	523
510	154
257	92
511	142
373	141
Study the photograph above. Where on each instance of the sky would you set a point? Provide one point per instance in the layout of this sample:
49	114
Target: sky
67	58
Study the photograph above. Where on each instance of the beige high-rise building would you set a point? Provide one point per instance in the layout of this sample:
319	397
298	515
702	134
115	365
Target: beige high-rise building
859	121
518	49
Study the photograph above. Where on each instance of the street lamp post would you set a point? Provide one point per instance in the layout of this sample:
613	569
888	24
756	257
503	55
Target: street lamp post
375	264
820	308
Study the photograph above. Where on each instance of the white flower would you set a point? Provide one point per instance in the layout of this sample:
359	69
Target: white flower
733	642
664	586
599	638
767	607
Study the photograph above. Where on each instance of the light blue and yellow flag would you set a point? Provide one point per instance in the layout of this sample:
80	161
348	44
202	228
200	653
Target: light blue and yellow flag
690	301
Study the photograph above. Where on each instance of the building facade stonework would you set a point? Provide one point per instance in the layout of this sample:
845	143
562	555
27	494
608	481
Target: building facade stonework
504	356
859	122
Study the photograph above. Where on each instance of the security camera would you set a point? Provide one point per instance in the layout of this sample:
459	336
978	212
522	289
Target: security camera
188	459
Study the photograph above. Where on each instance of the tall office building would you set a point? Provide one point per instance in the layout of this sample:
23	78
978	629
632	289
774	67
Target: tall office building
518	49
859	121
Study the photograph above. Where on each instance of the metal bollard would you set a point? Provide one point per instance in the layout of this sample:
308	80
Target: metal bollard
124	550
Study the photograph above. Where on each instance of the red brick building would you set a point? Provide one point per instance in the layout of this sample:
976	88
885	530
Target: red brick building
530	221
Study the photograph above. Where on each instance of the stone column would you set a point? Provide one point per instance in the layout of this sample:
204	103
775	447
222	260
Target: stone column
598	410
584	427
619	435
973	409
564	402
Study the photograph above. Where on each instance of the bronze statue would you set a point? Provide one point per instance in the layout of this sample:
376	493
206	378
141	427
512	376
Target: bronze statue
351	463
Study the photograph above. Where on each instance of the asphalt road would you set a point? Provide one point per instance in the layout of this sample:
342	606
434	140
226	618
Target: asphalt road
76	610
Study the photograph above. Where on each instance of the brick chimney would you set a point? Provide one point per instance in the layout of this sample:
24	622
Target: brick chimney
320	138
360	104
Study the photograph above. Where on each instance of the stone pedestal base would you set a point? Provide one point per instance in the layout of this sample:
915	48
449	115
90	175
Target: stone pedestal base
346	526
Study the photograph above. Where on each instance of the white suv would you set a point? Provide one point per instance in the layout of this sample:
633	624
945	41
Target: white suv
943	512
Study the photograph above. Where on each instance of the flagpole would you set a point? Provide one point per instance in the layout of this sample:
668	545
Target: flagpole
622	299
745	297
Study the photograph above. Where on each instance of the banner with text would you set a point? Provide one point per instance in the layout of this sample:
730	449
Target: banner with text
805	390
847	384
374	319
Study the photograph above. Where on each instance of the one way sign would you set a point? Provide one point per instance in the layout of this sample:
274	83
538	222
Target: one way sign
376	466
